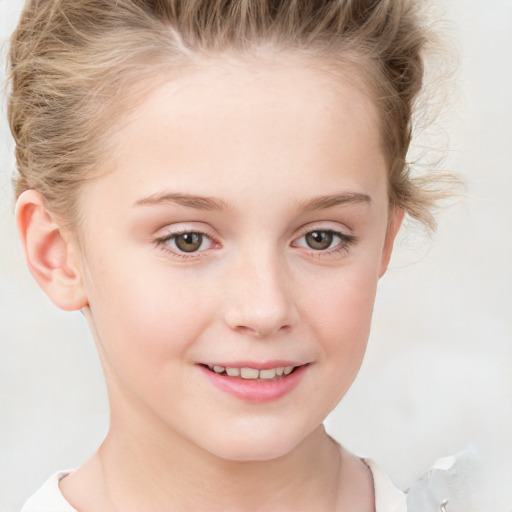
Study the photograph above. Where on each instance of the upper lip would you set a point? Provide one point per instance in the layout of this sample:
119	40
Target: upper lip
264	365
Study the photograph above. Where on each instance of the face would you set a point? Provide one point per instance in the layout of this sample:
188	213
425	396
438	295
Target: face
230	258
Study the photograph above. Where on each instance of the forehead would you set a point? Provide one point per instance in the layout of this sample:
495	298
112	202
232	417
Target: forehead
258	93
220	125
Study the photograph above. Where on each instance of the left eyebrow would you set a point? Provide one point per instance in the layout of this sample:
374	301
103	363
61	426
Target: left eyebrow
330	201
188	200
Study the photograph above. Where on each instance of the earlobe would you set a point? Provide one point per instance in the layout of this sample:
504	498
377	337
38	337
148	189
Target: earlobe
49	257
395	221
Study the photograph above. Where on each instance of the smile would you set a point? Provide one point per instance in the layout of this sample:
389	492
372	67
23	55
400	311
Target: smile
249	383
253	373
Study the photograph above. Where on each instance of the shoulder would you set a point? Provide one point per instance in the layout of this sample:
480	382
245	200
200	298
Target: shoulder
387	497
49	498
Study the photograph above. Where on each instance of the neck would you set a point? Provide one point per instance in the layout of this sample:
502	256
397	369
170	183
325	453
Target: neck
147	472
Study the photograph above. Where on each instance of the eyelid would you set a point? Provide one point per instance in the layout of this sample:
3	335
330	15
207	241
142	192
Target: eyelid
170	233
346	239
342	236
333	227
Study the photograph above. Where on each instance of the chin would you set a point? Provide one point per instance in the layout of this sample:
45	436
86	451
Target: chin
257	444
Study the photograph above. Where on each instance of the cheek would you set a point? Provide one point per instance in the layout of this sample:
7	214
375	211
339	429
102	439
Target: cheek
142	319
341	316
344	303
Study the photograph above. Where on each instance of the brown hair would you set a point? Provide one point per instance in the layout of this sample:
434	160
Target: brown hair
73	62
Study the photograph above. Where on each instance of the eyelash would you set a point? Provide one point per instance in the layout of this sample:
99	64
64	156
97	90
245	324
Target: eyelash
164	241
344	244
345	241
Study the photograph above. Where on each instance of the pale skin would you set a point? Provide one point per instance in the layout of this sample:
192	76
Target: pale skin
253	159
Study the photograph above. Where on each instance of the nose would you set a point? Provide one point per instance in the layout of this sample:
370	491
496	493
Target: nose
260	298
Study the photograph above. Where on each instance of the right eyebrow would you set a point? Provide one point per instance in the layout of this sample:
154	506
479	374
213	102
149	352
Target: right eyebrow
188	200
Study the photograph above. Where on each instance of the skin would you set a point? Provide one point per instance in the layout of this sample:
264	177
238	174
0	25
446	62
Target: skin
262	143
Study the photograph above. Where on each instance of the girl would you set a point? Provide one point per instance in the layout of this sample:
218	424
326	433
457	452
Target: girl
217	186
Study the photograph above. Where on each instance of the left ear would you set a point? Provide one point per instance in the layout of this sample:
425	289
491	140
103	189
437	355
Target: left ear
396	216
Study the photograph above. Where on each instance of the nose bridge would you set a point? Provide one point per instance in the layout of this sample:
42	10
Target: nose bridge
260	299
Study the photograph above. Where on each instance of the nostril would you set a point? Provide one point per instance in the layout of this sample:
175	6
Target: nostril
261	332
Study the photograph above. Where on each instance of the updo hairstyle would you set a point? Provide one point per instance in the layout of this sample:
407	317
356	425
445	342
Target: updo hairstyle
75	64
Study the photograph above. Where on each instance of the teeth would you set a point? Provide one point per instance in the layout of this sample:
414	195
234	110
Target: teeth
253	373
249	373
268	374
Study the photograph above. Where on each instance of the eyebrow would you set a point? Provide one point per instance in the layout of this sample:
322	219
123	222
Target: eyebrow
330	201
213	204
189	200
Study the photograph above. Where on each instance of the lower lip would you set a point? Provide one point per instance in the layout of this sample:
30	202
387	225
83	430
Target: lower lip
256	390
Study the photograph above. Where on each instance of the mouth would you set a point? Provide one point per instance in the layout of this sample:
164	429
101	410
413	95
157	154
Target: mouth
256	383
248	373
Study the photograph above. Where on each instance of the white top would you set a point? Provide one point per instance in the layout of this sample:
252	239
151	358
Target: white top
387	497
49	498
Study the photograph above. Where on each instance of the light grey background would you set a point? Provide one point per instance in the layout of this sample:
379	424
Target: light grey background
438	374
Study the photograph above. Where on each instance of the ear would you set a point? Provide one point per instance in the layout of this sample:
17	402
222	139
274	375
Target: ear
396	216
51	257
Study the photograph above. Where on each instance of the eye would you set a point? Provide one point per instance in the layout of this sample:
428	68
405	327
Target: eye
189	242
319	240
185	242
324	240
